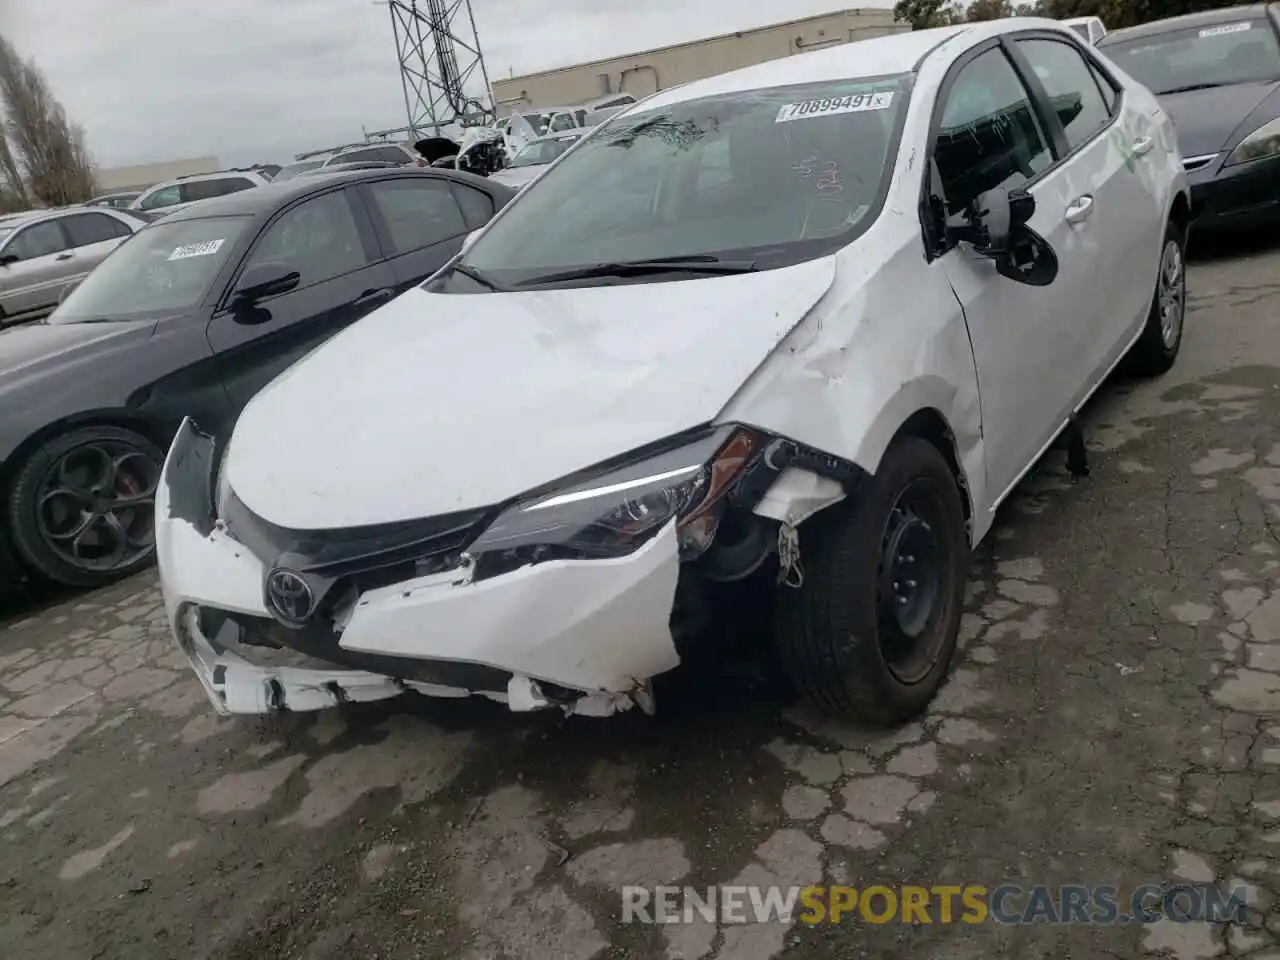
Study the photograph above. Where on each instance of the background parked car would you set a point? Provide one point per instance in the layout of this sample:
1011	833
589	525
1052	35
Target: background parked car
118	200
193	316
43	253
174	194
1092	29
289	171
400	154
1217	73
535	157
357	165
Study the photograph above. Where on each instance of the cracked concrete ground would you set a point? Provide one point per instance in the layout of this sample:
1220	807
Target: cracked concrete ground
1114	718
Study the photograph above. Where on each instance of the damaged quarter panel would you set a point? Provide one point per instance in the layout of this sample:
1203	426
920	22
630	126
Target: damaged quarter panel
887	341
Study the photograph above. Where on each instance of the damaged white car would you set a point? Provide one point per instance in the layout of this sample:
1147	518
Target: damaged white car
808	322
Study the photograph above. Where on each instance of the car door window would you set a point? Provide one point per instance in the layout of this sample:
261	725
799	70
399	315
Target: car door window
318	238
37	240
988	135
164	197
477	206
90	228
1109	92
417	212
1073	92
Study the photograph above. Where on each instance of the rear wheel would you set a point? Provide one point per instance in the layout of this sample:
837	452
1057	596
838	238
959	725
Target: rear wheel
81	506
872	630
1157	348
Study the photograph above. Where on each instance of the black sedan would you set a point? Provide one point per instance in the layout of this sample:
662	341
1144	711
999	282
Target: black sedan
193	315
1218	75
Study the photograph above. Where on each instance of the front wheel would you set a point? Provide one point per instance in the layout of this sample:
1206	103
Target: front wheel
872	629
81	506
1157	347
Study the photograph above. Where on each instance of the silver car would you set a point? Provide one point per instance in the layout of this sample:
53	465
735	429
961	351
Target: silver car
44	253
535	157
175	194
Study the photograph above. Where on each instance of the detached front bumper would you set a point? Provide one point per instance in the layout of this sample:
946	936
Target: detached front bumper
1236	198
583	635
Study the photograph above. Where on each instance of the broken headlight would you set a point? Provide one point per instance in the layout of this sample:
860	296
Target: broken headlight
615	513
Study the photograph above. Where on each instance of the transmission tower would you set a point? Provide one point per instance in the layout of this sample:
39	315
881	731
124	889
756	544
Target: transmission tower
439	53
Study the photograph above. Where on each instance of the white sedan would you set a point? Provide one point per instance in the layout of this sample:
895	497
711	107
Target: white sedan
808	322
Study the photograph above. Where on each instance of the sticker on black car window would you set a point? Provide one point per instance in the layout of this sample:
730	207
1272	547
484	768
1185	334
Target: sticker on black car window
204	249
1227	28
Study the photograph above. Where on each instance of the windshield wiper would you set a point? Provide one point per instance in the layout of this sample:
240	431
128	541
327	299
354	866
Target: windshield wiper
635	268
1193	86
477	276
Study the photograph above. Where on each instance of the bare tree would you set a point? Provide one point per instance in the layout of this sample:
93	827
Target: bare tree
47	149
12	187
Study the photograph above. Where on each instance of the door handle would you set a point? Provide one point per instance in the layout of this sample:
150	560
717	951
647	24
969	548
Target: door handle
63	256
370	297
1079	209
1142	147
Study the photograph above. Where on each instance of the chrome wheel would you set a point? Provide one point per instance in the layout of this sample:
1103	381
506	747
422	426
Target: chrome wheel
1171	293
94	508
913	583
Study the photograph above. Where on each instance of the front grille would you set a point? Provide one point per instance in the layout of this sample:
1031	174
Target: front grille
338	565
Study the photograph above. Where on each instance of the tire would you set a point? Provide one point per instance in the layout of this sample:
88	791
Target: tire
52	496
1157	347
832	632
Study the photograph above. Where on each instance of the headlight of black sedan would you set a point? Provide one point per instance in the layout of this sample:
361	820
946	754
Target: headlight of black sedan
1263	142
613	514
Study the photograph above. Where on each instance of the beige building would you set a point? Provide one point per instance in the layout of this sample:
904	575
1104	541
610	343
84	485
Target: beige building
112	179
652	70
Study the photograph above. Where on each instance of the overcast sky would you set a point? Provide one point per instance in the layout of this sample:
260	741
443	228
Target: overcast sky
250	80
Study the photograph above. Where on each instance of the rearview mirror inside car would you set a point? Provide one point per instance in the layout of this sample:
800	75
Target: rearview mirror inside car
264	280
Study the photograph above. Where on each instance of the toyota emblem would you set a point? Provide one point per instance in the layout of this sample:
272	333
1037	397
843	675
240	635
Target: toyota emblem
289	596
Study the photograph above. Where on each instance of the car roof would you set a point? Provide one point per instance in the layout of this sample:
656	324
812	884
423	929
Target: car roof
1187	21
267	199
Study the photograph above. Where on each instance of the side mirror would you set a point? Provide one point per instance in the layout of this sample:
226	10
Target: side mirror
8	258
996	226
264	280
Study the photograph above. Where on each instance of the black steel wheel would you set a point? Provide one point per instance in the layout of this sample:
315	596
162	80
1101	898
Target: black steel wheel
81	508
872	630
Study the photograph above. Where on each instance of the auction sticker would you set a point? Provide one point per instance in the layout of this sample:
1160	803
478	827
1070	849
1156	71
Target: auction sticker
204	249
830	106
1227	28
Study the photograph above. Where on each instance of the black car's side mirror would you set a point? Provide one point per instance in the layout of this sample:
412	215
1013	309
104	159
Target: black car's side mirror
264	280
8	258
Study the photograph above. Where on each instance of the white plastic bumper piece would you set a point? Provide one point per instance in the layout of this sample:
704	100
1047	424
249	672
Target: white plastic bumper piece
601	627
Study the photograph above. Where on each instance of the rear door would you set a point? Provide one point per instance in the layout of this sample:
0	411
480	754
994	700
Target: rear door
421	223
329	241
93	236
31	283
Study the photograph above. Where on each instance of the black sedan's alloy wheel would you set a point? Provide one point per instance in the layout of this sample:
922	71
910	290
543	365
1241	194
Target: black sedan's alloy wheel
82	507
872	630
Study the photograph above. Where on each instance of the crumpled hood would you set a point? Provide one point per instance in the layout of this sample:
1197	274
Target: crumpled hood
445	402
35	349
1206	120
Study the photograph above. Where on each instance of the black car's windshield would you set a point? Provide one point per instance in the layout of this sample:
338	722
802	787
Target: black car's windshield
1197	58
162	269
772	176
542	151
